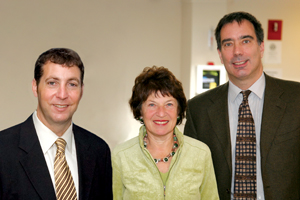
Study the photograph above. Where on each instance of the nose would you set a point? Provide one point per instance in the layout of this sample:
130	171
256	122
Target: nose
62	92
161	111
237	49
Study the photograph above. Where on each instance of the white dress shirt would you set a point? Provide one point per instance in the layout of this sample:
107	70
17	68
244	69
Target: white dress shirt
256	101
47	140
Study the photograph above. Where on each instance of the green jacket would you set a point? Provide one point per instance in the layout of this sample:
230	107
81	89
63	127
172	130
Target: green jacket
136	176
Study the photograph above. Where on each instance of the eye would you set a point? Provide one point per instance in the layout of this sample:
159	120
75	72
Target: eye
246	41
151	105
73	84
170	104
52	83
227	44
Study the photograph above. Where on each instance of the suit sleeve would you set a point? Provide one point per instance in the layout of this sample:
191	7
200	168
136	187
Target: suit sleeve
108	177
189	128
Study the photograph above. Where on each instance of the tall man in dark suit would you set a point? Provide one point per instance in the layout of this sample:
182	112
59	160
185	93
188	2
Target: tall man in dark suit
212	117
28	150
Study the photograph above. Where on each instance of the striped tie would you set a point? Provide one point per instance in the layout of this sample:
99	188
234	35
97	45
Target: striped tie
64	185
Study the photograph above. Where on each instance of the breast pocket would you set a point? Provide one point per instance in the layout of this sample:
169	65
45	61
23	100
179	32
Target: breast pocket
284	152
292	135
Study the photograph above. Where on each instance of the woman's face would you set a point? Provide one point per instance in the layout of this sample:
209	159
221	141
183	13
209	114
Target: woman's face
160	114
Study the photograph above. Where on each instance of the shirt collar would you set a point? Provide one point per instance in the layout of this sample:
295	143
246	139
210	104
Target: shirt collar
47	137
257	88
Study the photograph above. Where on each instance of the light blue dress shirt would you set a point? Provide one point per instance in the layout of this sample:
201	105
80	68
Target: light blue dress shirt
256	101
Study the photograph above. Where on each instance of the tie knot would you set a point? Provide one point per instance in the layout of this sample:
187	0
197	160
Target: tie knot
245	94
61	145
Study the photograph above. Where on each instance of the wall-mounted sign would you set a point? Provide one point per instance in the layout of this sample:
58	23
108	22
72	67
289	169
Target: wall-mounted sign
210	76
272	54
274	29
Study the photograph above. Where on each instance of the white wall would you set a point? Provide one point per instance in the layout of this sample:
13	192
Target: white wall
116	39
206	15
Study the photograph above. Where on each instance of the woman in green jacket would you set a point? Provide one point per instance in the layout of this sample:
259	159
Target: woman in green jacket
161	163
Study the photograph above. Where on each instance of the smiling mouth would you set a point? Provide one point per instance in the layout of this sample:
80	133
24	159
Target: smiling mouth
240	63
161	122
61	106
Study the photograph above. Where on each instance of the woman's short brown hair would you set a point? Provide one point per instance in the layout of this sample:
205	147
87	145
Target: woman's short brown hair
156	79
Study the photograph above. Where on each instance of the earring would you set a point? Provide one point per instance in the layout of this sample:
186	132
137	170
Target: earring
141	120
178	118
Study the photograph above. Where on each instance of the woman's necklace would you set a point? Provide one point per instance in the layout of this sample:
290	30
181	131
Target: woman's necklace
165	159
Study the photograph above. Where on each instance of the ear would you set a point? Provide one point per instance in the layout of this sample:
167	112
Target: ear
262	49
220	55
82	88
34	88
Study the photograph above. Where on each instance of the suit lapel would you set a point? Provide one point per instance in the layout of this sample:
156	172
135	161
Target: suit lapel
33	161
273	111
218	114
86	163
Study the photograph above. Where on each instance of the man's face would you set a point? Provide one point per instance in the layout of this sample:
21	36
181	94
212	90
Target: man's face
240	53
58	93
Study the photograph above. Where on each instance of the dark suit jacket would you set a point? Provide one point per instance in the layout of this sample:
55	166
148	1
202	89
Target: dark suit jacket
23	170
208	121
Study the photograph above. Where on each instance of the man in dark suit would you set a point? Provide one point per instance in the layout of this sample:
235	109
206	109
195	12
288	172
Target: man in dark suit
28	150
212	117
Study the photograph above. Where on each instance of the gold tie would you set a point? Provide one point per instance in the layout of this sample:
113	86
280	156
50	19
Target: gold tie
64	185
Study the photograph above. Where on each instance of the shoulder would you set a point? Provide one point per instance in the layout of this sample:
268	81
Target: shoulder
196	145
15	130
126	147
9	139
196	151
88	137
10	130
284	88
212	94
285	84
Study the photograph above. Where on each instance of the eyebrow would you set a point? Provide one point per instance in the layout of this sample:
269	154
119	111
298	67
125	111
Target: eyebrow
74	79
58	79
226	40
242	37
247	36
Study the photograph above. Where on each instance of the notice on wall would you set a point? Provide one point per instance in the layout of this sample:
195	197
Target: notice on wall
272	54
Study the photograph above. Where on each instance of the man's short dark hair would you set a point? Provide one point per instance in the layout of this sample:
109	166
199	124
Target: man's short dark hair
239	17
62	56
